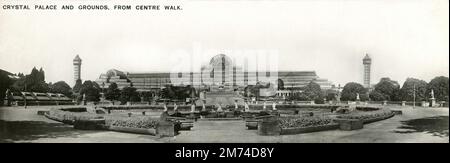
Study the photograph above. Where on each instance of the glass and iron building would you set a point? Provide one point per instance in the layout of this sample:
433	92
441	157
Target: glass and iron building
220	71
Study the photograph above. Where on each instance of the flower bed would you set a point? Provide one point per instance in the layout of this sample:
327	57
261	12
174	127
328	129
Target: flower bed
69	117
301	124
292	122
299	130
369	116
135	124
142	122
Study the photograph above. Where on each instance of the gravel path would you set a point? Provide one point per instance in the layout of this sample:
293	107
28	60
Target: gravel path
414	125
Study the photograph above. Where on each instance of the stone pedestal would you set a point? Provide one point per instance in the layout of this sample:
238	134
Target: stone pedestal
269	127
166	128
350	124
433	102
424	104
403	103
384	102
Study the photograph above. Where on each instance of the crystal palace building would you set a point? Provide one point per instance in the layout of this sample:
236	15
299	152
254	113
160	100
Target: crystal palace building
220	71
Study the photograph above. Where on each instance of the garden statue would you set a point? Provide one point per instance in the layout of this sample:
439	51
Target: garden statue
274	106
246	108
8	97
264	105
165	108
236	105
84	99
433	100
220	108
193	108
357	97
203	106
175	107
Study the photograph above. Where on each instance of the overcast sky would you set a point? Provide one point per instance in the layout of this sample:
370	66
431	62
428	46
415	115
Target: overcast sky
405	38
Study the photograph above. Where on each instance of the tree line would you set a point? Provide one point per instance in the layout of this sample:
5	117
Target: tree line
385	89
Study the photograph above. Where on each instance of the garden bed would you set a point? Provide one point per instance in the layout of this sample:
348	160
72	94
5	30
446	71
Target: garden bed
369	116
133	124
300	130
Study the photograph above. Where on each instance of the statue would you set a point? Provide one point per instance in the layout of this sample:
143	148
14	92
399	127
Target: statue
274	106
203	106
246	108
357	97
433	100
175	107
165	108
264	106
236	105
220	108
84	99
193	108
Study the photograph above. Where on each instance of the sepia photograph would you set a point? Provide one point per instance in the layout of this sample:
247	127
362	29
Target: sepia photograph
224	71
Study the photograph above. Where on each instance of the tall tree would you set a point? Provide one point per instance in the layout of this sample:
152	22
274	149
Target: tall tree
113	92
439	85
77	86
312	91
407	91
5	82
90	91
129	94
388	88
280	84
61	87
350	91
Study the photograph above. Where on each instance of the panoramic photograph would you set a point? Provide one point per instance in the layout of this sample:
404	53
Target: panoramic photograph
216	71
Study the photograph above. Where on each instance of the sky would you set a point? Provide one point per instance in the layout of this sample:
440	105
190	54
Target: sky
405	38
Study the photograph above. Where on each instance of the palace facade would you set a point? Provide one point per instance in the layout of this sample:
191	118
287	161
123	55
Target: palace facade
220	71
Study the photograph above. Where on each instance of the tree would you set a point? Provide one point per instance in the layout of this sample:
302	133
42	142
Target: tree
312	91
330	94
439	85
34	82
351	89
280	84
129	94
61	87
389	89
376	96
77	86
5	82
90	91
407	90
112	93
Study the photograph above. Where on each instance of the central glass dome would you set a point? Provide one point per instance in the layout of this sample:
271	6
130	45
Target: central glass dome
220	60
